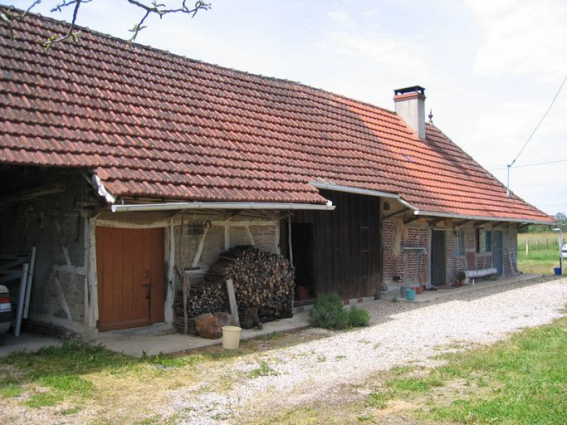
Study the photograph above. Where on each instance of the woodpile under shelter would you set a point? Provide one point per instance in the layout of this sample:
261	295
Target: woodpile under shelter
127	168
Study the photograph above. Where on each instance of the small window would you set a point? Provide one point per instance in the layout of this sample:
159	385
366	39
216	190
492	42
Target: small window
484	241
488	241
460	242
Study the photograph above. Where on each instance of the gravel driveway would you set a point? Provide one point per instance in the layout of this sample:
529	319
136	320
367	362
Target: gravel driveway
325	366
399	333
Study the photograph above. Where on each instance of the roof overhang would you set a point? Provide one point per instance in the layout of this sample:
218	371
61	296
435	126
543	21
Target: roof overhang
479	217
169	206
359	191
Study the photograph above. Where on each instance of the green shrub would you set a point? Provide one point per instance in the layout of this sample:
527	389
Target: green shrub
358	317
328	313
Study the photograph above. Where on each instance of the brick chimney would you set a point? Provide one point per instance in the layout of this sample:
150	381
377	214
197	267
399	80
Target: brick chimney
410	106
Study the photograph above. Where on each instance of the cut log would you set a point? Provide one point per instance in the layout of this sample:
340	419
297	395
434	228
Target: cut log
208	326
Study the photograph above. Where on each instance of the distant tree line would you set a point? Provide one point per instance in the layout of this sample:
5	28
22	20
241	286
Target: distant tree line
534	228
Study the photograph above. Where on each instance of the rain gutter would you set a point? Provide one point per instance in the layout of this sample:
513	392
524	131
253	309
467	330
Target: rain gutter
168	206
416	211
479	217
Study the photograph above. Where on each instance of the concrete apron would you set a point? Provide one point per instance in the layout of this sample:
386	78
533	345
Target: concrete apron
161	338
151	342
447	291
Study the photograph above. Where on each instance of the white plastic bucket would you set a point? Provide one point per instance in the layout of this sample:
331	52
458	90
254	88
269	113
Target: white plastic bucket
231	337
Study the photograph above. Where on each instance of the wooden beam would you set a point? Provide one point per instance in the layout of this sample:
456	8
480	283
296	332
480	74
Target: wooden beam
28	194
460	223
434	221
410	219
403	210
480	223
499	224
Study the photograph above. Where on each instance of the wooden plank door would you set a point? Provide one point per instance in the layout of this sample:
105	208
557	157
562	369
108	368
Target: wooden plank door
131	284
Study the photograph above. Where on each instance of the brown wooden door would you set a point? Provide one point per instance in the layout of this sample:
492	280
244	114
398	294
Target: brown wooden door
130	266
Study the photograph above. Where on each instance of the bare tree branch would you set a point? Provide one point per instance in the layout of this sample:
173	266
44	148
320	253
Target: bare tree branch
153	8
48	44
161	10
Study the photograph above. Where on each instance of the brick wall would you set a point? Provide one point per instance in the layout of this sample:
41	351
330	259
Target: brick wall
410	266
418	237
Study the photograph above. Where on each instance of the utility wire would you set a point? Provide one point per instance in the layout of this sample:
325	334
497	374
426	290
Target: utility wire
533	164
533	132
539	123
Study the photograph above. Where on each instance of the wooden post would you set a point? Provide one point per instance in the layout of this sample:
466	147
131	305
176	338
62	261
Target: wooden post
289	238
29	283
184	277
200	247
527	247
232	301
21	299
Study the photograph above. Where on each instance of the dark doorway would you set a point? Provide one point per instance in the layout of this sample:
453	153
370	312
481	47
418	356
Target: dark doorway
438	258
497	252
303	260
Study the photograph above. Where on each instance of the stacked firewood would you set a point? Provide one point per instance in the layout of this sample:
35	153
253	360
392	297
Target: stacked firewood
204	297
262	280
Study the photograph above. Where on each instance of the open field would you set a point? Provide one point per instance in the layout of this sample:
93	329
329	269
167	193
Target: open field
543	252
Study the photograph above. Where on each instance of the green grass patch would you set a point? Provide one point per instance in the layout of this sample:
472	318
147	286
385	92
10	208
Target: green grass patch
520	381
528	377
70	411
11	390
543	254
263	370
273	336
54	374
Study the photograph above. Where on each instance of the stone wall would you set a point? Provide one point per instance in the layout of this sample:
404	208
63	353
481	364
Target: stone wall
54	224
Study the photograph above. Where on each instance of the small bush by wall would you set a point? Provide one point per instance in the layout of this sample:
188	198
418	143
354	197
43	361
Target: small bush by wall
358	317
329	313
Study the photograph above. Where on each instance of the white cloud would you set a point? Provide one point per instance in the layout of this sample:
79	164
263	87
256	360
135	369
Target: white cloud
521	38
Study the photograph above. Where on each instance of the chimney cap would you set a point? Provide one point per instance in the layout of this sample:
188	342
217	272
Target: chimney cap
411	89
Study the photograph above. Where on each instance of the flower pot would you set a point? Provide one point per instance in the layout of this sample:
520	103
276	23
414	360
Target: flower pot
410	295
302	293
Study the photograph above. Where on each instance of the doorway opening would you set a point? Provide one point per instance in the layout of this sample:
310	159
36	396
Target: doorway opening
303	261
438	258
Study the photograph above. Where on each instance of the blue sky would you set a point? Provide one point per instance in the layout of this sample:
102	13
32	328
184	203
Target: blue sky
490	68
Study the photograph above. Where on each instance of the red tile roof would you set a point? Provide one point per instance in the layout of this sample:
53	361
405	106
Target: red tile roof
156	125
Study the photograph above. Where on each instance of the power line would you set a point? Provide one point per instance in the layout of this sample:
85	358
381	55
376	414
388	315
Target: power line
533	164
533	132
552	205
540	121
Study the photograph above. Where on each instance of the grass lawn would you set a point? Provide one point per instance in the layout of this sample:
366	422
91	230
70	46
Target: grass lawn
543	254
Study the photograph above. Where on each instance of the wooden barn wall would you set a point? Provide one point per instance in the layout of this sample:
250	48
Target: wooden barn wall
347	253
